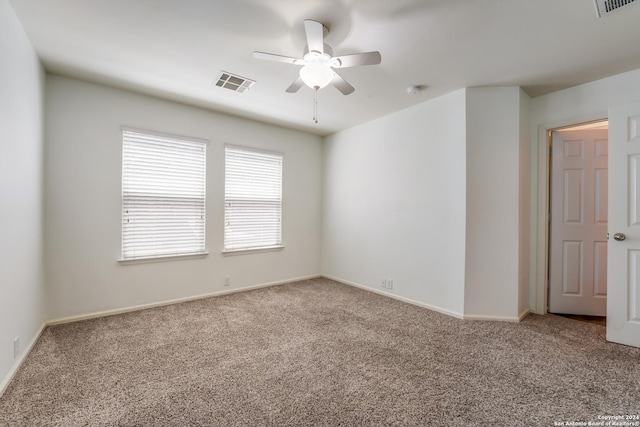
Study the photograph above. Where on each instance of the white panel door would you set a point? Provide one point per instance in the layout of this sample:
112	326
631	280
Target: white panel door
623	307
578	249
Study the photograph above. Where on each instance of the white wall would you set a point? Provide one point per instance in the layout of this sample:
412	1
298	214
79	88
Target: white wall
21	152
524	232
432	197
493	202
83	201
578	104
394	203
589	100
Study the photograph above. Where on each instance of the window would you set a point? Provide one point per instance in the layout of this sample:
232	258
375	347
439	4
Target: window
163	195
252	199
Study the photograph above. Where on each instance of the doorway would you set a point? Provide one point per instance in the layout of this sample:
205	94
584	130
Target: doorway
578	194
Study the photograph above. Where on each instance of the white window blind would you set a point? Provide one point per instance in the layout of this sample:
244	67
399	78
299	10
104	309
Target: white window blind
253	199
163	196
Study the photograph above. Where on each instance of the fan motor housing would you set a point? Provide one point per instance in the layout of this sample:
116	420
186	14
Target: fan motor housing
327	50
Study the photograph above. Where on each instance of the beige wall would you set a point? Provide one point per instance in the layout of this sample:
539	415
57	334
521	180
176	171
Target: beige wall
83	201
22	294
494	220
394	204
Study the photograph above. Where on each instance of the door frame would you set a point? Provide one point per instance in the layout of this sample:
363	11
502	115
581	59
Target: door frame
540	203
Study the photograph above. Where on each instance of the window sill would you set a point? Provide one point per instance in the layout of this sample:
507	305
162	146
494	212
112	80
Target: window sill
162	258
252	251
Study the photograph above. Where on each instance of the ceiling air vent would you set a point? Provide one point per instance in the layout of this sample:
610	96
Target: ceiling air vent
233	82
605	6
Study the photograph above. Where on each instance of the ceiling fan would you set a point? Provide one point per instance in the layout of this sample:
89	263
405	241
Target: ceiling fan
318	63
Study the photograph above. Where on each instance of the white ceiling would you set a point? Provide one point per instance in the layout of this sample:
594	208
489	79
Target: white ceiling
175	49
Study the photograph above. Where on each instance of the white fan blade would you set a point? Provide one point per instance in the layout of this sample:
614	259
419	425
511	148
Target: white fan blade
366	58
315	35
279	58
295	86
341	84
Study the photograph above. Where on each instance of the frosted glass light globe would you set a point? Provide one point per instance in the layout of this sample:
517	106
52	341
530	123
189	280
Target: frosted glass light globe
316	75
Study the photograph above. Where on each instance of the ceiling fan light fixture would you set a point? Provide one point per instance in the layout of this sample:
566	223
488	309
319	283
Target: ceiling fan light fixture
316	75
318	61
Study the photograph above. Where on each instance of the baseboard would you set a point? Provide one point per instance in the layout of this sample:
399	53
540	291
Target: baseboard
533	310
98	314
398	297
520	317
513	319
18	363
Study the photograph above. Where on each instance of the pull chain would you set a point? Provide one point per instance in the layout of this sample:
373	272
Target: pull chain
315	104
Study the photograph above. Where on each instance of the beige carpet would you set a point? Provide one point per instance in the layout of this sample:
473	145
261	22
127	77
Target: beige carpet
319	353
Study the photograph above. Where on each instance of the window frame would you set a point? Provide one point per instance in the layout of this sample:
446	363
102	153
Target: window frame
249	250
168	256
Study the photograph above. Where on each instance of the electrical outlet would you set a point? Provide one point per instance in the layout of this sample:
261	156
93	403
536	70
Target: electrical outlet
16	347
227	280
384	283
389	283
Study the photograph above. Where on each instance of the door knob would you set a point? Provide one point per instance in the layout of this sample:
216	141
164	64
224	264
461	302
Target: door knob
619	237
